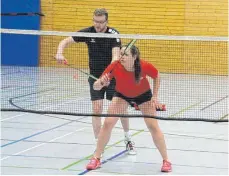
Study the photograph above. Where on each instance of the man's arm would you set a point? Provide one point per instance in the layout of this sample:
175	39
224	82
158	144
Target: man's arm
116	44
115	53
62	45
69	40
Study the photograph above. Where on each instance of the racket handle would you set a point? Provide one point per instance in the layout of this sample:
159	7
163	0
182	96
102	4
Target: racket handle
162	108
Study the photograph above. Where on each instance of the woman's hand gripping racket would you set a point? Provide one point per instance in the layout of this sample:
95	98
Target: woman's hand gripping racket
104	81
160	106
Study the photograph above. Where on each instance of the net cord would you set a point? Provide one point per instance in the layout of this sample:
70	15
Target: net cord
103	35
116	115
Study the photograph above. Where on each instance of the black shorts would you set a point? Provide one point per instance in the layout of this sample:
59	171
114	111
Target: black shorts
138	100
99	94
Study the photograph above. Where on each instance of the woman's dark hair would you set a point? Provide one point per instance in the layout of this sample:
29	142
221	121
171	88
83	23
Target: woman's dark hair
137	66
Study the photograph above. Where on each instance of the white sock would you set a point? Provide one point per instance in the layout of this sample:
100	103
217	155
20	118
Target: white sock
127	136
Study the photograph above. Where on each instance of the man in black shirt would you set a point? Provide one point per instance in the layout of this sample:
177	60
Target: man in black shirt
101	52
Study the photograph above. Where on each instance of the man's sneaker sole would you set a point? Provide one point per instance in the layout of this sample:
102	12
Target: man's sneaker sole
132	152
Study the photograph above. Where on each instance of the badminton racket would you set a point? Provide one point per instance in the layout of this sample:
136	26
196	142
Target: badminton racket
128	47
91	76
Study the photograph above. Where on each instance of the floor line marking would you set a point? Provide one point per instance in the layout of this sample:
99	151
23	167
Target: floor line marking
139	131
39	145
89	156
13	142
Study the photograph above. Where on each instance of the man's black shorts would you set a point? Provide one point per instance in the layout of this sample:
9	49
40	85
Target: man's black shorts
100	94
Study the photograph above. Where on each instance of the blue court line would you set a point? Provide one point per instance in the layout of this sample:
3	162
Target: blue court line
214	103
105	161
10	143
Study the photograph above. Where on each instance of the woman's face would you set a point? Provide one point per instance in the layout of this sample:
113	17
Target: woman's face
127	59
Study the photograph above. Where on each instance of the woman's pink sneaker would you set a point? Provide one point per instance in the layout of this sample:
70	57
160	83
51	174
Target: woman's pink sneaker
93	164
166	166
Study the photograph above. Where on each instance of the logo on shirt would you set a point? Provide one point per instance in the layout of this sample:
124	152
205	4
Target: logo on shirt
112	31
92	40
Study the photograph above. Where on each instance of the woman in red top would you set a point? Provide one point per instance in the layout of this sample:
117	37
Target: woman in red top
131	86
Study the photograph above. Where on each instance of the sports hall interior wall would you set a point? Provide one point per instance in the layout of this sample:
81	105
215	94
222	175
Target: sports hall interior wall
176	18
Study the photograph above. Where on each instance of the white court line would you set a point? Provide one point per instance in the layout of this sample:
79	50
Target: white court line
43	109
12	117
42	144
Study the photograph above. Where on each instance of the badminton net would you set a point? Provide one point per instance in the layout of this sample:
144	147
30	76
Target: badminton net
193	71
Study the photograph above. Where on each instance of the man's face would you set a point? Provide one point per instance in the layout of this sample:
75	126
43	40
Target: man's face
100	23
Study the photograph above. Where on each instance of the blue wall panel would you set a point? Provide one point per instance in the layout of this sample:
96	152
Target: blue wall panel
20	49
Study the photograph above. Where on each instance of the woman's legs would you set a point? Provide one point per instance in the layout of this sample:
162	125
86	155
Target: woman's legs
117	106
152	125
96	121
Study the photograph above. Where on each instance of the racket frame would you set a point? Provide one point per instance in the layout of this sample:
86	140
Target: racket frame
129	45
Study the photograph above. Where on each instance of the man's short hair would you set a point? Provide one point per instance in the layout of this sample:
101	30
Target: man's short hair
101	12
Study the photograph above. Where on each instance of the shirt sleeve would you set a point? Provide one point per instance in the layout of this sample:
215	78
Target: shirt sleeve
116	42
81	39
150	70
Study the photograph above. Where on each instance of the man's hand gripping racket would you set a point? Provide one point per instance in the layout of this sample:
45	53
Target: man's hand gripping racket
60	58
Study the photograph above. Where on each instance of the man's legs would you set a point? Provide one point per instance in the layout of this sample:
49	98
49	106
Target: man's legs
127	137
125	125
